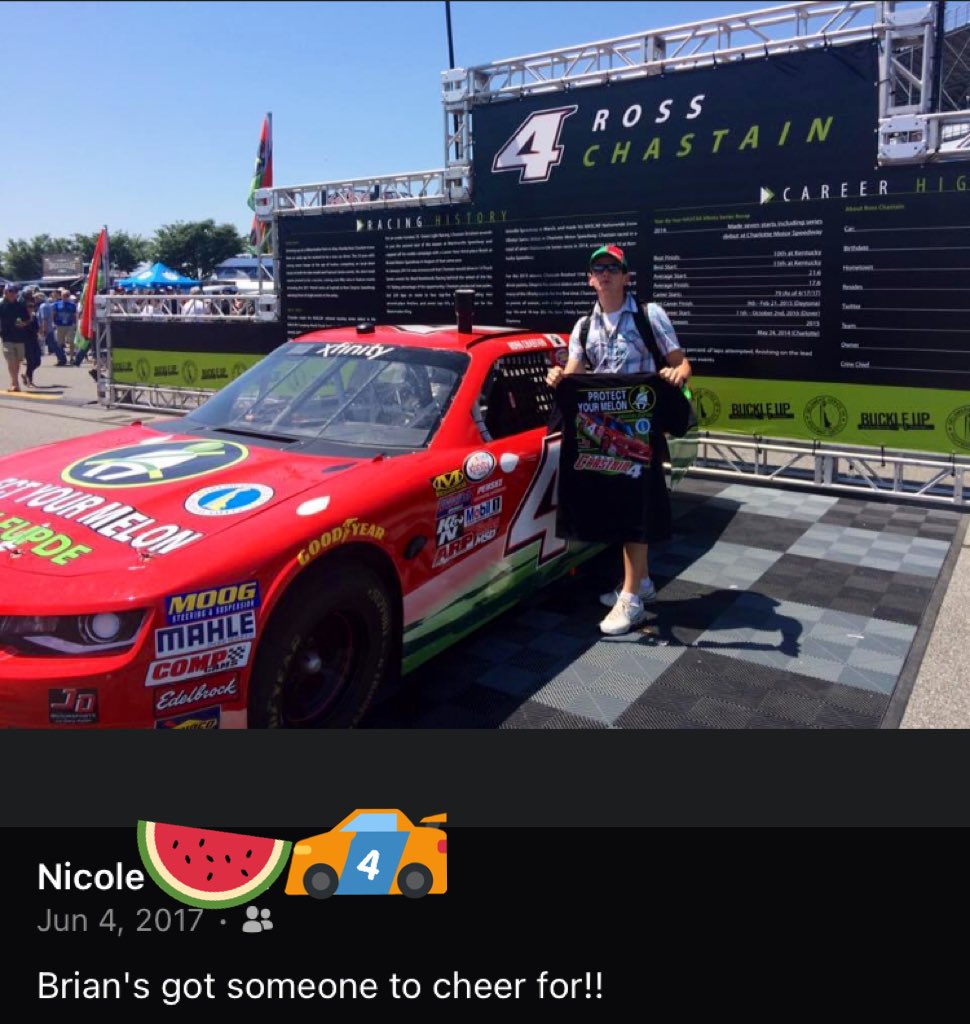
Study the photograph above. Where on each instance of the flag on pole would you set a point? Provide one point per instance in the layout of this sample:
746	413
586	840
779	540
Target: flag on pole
262	178
84	334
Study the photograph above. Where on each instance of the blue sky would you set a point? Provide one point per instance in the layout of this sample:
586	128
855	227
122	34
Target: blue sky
136	115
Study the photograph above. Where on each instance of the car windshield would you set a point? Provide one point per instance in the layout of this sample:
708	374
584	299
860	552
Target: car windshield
372	396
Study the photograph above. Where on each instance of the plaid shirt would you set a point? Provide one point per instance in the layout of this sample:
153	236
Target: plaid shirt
623	350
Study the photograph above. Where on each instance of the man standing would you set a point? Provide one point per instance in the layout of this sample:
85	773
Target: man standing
65	323
609	341
45	321
13	326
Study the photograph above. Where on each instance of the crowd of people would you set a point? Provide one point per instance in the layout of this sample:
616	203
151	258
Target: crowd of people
169	302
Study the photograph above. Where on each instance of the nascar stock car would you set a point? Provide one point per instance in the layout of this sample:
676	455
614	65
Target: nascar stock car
357	501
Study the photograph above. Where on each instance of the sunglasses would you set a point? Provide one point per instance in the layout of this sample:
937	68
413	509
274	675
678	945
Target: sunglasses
606	268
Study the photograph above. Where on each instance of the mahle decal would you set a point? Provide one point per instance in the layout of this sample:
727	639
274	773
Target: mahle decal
155	462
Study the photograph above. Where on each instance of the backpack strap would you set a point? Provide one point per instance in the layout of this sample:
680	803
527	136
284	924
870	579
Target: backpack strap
646	331
583	335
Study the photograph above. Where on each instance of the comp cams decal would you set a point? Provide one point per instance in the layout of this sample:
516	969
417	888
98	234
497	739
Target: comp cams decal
203	663
141	465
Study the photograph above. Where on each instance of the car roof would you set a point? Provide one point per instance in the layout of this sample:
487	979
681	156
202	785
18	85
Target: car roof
438	337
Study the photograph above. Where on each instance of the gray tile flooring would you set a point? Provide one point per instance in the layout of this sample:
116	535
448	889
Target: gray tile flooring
776	609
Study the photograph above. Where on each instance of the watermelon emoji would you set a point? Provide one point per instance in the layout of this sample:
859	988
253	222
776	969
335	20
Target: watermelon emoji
204	868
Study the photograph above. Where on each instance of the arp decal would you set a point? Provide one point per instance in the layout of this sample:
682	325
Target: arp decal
206	718
192	666
194	695
72	706
198	636
227	499
212	602
158	462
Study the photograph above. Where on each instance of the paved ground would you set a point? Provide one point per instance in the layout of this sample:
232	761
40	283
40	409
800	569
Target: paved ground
776	609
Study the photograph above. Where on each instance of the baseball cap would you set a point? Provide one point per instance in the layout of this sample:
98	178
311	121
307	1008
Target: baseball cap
10	287
613	251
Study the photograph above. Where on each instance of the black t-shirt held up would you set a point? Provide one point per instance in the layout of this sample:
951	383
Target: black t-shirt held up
611	478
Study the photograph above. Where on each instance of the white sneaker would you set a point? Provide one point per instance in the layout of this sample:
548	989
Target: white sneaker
648	593
624	615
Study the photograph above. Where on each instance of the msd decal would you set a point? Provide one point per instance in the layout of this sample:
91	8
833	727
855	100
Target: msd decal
192	666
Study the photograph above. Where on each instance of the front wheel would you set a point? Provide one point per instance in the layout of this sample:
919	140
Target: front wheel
325	652
320	881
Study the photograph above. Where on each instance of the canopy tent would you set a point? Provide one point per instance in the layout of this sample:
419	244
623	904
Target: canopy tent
155	277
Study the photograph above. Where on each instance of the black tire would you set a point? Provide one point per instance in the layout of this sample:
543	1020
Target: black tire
320	881
328	647
414	881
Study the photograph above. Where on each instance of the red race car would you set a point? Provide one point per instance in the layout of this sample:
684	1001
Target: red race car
355	503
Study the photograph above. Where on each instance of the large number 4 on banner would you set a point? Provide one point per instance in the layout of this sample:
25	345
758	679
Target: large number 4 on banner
533	150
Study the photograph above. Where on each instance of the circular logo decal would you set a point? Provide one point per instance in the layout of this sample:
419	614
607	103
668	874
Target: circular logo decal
238	369
158	462
227	499
958	427
642	426
479	465
143	370
190	372
708	407
825	416
642	398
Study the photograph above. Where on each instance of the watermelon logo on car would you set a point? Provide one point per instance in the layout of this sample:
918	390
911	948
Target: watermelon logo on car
139	465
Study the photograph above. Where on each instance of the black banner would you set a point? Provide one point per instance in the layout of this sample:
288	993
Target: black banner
747	197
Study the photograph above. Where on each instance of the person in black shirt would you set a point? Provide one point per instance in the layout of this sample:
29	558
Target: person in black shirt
611	341
13	323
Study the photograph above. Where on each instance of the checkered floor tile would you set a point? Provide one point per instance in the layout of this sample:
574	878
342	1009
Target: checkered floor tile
776	610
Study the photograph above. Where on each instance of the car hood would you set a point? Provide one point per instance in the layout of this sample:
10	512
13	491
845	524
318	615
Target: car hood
114	500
